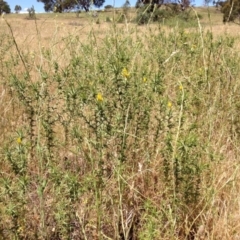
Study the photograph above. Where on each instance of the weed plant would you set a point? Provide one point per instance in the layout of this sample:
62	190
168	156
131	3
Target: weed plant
119	137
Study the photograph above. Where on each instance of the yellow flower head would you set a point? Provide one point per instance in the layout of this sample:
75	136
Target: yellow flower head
169	105
99	97
193	47
19	140
200	71
181	87
144	79
125	73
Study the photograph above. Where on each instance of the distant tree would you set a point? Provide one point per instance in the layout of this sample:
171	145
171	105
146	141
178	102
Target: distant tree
108	7
86	4
126	4
4	7
67	5
17	8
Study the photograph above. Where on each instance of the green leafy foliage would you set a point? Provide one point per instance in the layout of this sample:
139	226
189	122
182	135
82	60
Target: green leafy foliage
165	15
67	5
230	10
4	7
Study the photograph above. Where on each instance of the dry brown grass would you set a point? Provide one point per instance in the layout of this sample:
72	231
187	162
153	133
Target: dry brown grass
54	27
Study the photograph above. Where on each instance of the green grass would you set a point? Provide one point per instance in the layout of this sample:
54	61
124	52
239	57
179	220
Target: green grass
128	135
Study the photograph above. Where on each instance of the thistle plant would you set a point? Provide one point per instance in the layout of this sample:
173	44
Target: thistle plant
122	143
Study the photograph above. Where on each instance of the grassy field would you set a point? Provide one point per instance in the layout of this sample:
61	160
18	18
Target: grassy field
117	130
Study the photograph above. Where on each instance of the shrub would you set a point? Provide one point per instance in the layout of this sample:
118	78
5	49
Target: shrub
169	14
31	13
230	10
